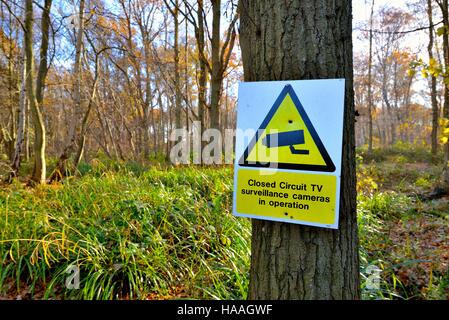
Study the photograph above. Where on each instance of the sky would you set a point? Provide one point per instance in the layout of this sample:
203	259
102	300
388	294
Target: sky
416	42
361	13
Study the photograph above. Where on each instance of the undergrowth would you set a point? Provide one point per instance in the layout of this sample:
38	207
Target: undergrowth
136	232
159	233
404	242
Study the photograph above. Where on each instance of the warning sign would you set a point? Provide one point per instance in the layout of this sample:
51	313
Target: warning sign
287	139
289	168
284	196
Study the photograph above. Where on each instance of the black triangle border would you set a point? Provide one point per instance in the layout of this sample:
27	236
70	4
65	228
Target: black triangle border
329	167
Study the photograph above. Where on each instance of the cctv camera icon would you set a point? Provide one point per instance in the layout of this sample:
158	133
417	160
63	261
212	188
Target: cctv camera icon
284	139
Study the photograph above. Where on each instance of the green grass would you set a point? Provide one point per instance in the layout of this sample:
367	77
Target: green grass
373	214
399	153
405	238
140	232
159	233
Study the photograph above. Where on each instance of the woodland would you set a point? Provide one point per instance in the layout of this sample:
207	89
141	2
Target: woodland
92	205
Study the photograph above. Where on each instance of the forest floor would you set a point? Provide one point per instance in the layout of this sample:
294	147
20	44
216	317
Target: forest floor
402	234
135	232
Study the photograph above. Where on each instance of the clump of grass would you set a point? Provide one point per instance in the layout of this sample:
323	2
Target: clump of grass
385	205
424	182
139	232
400	152
132	234
378	278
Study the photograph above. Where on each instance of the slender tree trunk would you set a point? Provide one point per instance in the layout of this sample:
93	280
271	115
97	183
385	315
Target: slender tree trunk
225	122
202	75
406	103
148	108
78	111
35	92
444	10
186	77
392	128
43	52
217	74
111	137
27	127
104	145
370	83
169	125
381	134
177	73
15	164
12	104
83	130
294	39
389	109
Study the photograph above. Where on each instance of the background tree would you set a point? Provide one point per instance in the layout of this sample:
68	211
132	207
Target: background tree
220	60
35	92
444	32
174	10
370	81
69	149
433	83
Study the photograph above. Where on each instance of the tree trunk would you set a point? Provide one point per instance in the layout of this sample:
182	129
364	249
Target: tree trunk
83	130
43	63
186	76
370	83
304	40
35	93
177	74
148	108
389	109
433	86
202	78
15	164
27	128
216	76
444	10
12	102
406	102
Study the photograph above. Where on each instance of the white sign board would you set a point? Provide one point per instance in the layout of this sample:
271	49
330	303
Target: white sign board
288	151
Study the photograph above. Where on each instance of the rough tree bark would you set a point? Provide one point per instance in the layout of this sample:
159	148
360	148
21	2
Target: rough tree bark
286	40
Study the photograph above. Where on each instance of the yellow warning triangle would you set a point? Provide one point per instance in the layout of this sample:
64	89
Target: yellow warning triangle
286	139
